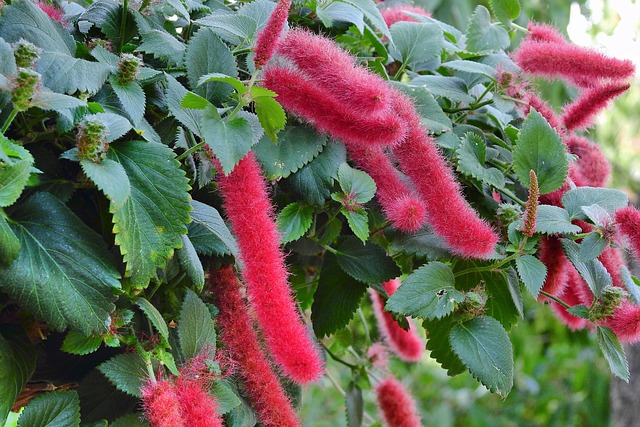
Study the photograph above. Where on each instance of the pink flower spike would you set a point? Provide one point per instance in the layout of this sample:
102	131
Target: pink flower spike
400	205
612	261
582	112
198	406
267	39
628	225
407	345
592	169
553	257
544	33
397	14
378	354
261	385
335	71
250	213
448	213
302	97
574	294
161	404
625	322
577	64
396	404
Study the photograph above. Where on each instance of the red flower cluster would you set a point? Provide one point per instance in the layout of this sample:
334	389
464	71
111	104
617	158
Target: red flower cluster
396	404
317	84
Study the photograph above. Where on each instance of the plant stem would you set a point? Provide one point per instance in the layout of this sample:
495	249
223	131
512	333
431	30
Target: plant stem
366	326
556	299
519	28
7	122
191	150
338	359
491	267
123	24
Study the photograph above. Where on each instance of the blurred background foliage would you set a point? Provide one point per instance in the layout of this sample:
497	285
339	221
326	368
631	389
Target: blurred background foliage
561	379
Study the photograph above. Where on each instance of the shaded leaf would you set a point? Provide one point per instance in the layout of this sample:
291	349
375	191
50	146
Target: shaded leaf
154	317
613	352
128	372
208	217
532	272
591	247
356	183
111	178
367	263
9	243
593	272
66	74
438	344
80	344
294	221
230	140
190	262
195	329
52	409
471	157
313	181
17	364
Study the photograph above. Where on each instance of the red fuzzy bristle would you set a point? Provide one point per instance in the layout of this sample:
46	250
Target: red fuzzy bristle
575	293
161	404
397	13
628	226
592	169
396	404
553	257
625	322
544	33
250	213
582	112
267	39
199	408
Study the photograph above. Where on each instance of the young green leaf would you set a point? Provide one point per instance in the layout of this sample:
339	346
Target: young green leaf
483	35
15	172
154	317
219	77
17	364
505	10
209	218
111	178
358	221
613	352
484	347
55	408
608	199
356	184
195	102
581	311
271	115
190	262
80	344
438	331
539	148
195	329
428	293
367	263
554	220
294	221
226	398
591	247
128	372
532	272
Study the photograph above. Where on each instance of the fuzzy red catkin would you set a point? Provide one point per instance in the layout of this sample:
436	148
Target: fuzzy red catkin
582	112
335	71
577	292
448	213
161	404
397	13
261	385
628	226
553	257
544	33
612	261
407	345
302	97
400	204
199	408
577	64
592	168
250	213
542	107
267	39
625	322
396	404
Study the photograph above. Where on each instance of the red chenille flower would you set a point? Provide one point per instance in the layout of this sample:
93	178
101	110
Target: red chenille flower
577	292
628	225
249	210
582	112
544	33
591	169
397	14
267	39
396	404
625	322
553	257
161	404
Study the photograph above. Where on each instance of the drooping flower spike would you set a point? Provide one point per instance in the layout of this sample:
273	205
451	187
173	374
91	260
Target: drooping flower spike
582	112
628	226
553	257
161	404
573	294
591	169
261	384
267	39
198	407
396	405
249	210
544	33
407	345
625	322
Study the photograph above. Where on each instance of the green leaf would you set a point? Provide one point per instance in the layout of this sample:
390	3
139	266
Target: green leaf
532	272
131	420
205	242
613	352
111	178
175	94
48	101
439	346
207	54
22	19
417	41
356	183
313	181
117	125
163	45
148	225
195	329
294	221
591	247
367	263
52	409
9	243
597	214
484	347
554	220
190	262
225	396
593	272
209	218
358	221
297	146
229	140
355	405
484	36
471	67
332	11
231	27
128	372
13	179
539	148
581	311
80	344
427	293
631	283
433	118
271	115
196	102
65	74
108	17
154	317
505	10
371	12
64	273
336	299
471	157
17	364
132	98
219	77
608	199
452	88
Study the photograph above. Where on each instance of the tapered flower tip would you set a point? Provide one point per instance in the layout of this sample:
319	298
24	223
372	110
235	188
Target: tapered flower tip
396	404
397	14
267	39
625	322
544	33
407	214
592	169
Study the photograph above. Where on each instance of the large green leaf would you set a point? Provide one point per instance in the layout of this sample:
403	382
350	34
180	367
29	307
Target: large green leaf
132	98
63	274
484	347
64	73
554	220
271	115
372	14
428	293
230	140
207	54
231	27
532	272
163	45
417	41
297	146
356	184
613	352
483	35
438	344
471	158
358	221
314	180
367	263
452	88
52	409
539	148
433	118
9	243
607	198
195	329
175	94
149	224
107	16
111	178
128	372
337	11
593	272
17	363
592	246
336	299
